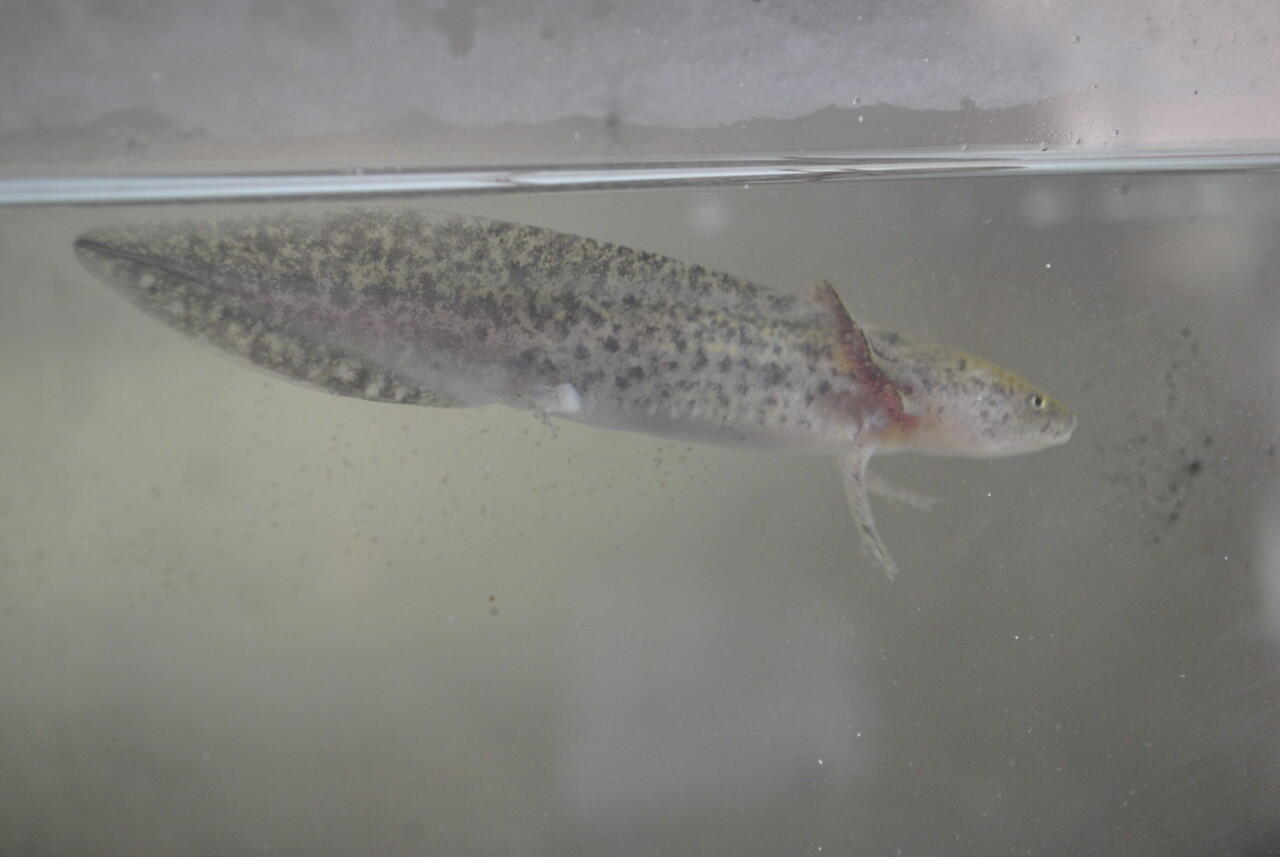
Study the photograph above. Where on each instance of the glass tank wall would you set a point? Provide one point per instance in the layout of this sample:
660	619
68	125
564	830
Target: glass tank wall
239	615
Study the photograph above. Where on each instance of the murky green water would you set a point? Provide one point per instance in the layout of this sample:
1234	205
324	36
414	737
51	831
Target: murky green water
242	616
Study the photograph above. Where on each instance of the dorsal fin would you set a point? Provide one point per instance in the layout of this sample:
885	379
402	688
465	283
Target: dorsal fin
854	358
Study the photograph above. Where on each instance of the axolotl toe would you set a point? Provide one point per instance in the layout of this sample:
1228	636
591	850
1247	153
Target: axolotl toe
445	310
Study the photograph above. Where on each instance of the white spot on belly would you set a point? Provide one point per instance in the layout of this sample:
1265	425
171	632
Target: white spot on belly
346	371
568	400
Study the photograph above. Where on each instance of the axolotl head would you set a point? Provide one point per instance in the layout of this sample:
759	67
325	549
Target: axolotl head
965	405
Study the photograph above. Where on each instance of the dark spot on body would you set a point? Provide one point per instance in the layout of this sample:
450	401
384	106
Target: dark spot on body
824	387
582	352
611	344
1194	467
569	305
537	313
725	365
774	375
700	361
339	296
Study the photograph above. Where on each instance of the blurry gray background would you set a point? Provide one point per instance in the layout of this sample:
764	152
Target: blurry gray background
396	82
243	616
238	616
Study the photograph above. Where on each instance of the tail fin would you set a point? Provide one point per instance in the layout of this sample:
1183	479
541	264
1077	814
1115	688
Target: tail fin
853	467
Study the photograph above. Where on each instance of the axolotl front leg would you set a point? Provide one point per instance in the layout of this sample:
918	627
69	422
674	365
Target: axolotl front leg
880	409
853	470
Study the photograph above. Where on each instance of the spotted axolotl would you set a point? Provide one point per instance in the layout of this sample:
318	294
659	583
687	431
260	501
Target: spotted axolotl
445	310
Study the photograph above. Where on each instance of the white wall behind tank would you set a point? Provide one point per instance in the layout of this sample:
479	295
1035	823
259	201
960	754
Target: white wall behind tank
250	70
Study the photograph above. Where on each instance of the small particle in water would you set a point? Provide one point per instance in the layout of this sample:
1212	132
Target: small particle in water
1048	265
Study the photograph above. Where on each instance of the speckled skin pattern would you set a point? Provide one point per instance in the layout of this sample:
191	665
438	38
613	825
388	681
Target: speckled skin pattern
965	405
438	309
442	309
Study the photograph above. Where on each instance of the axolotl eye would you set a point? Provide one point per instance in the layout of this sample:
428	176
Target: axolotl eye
1036	401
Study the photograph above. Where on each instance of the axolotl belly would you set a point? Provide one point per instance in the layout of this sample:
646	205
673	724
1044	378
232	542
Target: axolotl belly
446	310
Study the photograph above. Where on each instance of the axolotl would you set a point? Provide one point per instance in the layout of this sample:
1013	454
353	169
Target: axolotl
440	309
